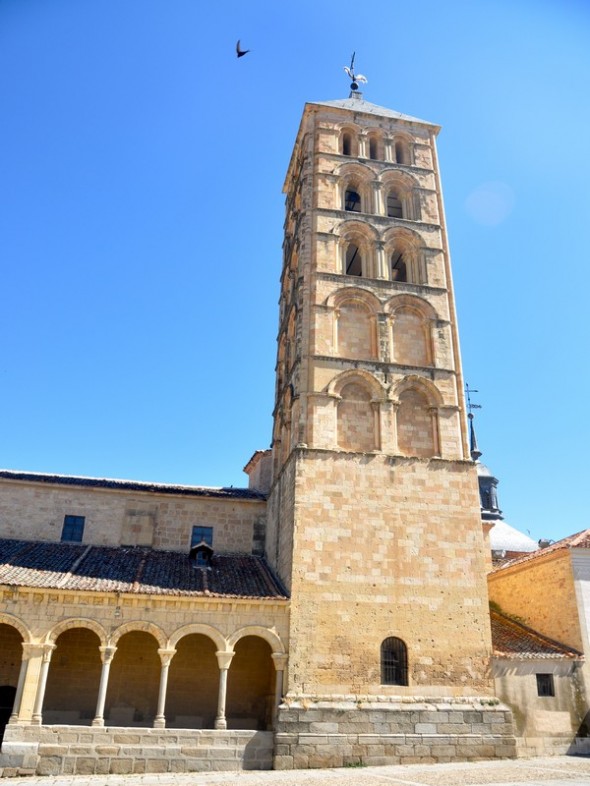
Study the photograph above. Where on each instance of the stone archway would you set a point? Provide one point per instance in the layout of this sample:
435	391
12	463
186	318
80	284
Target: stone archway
11	653
251	685
132	695
193	684
73	678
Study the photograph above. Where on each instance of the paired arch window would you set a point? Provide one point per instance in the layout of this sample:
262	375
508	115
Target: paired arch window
354	261
411	337
398	267
355	419
394	662
352	200
355	330
394	204
348	142
402	152
416	434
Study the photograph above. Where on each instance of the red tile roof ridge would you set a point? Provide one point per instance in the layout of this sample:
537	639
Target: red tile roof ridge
546	646
578	540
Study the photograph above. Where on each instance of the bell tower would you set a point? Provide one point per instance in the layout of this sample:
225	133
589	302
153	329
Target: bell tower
374	516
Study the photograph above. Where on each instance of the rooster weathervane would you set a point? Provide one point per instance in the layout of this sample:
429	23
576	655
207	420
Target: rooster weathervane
356	78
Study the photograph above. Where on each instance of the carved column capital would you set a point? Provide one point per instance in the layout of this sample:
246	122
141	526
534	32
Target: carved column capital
166	655
224	658
107	653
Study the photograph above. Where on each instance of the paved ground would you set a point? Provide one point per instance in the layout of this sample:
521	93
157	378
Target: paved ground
555	771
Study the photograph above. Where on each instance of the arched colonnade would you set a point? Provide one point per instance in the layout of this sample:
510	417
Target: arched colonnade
138	676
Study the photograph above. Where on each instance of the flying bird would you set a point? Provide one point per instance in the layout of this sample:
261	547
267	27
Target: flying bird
241	52
353	76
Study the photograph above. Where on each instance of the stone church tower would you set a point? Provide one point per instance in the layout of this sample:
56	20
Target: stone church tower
374	515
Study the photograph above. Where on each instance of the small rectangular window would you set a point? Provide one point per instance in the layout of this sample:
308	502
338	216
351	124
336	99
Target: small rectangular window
545	685
200	534
73	529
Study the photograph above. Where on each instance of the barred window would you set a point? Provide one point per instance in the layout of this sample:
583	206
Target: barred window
394	662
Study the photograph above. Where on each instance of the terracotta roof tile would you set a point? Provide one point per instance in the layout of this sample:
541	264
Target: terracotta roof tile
134	570
581	540
512	639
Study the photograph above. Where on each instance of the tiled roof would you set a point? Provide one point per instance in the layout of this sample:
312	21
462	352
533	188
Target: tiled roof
581	540
512	639
356	103
133	485
71	566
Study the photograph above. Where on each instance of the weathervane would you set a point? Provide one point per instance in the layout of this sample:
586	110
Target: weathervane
356	78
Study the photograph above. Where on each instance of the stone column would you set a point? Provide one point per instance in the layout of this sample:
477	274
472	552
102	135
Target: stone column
33	655
388	149
335	333
106	655
383	323
435	431
165	656
376	407
378	207
381	261
38	707
394	446
223	661
363	146
388	439
280	661
24	664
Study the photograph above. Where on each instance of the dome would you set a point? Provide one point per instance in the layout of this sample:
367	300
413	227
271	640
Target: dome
503	537
483	471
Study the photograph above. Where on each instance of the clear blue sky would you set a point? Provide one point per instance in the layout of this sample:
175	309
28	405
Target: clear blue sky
141	213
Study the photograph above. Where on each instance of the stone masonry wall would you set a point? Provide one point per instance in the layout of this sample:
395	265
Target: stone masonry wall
386	546
355	733
69	750
122	517
541	593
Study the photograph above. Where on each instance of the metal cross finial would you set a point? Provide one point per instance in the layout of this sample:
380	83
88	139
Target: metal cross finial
356	78
471	406
474	449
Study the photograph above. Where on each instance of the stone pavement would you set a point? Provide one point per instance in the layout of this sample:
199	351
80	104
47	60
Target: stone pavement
554	771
